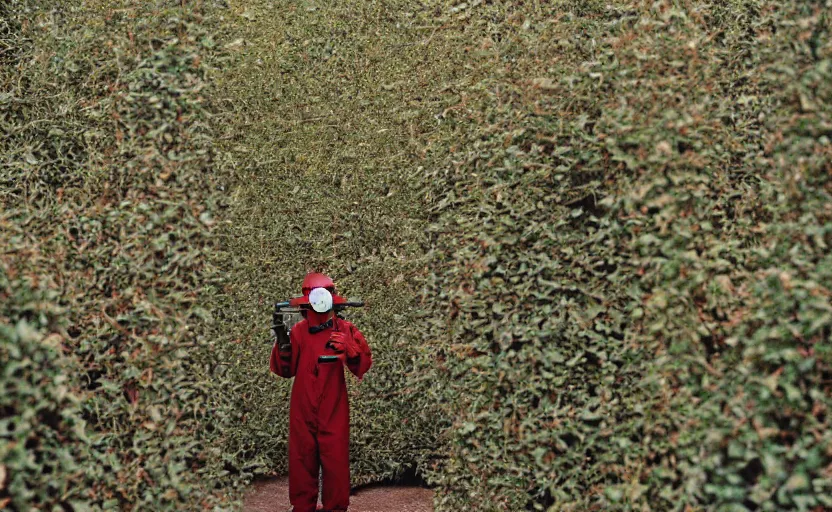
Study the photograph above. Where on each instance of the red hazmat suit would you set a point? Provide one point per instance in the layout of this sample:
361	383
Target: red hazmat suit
319	419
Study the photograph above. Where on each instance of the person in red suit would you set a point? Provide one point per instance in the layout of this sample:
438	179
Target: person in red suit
319	418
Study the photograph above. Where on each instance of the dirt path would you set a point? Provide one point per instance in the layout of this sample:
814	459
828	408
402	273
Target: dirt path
273	496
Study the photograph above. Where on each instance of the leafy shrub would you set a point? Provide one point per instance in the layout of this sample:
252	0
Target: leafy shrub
630	260
107	201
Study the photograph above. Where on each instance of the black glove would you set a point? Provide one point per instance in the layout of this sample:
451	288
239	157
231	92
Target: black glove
280	334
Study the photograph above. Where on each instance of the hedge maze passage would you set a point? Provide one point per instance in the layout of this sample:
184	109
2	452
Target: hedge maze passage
593	238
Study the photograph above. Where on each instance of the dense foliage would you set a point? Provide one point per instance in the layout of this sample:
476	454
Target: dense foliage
320	129
593	238
634	260
105	213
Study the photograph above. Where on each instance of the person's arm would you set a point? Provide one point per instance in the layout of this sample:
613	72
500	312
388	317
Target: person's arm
363	360
352	349
284	357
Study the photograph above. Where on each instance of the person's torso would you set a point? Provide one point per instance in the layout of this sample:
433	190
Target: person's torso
319	387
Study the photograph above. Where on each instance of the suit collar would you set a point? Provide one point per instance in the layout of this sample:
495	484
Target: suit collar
318	328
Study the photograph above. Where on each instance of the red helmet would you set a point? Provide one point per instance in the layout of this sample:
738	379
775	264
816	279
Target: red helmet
316	280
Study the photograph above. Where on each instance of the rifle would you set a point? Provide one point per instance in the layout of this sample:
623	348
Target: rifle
280	329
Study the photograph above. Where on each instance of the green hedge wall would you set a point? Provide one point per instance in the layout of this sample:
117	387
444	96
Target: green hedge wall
632	260
106	202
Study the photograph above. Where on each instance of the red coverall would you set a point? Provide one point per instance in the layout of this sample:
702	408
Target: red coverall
319	418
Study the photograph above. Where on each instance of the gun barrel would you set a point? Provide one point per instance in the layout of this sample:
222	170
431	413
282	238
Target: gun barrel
349	305
283	306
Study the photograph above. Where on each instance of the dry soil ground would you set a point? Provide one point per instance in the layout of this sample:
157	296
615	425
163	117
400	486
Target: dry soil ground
273	496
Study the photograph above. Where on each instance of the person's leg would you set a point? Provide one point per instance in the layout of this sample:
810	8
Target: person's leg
335	463
303	468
